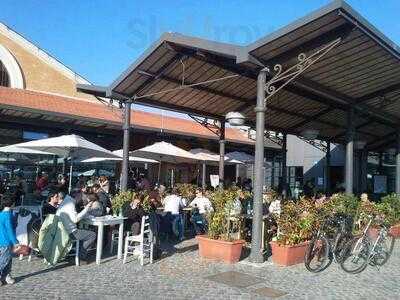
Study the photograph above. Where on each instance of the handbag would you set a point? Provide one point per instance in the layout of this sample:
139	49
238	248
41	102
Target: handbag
22	250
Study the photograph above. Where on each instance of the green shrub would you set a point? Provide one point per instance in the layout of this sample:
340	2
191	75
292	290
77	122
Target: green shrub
345	204
186	190
121	200
297	222
391	204
218	222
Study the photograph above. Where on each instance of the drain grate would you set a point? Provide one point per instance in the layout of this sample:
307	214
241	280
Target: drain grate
269	292
235	279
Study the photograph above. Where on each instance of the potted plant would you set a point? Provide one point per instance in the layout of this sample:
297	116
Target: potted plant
186	190
219	243
295	224
120	201
390	208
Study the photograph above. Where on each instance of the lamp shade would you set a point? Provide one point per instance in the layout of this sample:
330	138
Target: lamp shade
310	134
235	118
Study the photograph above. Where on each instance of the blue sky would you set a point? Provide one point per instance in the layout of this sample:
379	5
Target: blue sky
99	39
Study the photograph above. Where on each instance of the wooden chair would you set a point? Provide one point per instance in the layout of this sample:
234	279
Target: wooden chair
140	244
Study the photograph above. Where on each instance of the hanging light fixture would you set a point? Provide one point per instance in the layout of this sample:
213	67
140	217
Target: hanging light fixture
310	134
235	118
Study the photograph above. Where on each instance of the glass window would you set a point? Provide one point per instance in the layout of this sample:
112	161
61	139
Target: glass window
4	77
32	135
295	177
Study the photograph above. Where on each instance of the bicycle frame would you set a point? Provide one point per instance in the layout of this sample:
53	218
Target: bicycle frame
364	235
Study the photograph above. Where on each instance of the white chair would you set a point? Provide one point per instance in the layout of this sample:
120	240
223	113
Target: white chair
140	244
114	239
75	251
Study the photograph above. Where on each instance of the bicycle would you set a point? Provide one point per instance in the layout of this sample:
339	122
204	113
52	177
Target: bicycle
361	251
324	248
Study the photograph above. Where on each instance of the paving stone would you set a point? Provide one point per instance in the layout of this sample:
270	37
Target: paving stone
235	279
269	292
180	275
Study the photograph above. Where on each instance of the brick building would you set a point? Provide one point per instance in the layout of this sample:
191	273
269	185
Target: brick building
38	98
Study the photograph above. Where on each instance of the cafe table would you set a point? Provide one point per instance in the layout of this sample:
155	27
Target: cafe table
100	222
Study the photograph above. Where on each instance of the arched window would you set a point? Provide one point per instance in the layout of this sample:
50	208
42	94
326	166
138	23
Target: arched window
10	71
4	77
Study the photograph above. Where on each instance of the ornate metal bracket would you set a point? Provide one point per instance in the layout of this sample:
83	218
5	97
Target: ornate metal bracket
320	145
273	137
268	135
283	78
213	125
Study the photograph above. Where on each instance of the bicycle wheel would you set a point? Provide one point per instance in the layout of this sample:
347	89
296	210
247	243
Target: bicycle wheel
355	255
383	250
340	244
317	256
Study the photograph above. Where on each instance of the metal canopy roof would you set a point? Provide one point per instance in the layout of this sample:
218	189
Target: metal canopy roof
362	72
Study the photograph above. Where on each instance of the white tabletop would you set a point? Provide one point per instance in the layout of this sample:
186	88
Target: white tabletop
106	220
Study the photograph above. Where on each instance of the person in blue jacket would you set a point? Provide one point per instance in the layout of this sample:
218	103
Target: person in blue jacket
8	240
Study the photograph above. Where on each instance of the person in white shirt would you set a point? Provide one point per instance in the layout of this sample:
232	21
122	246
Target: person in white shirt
70	218
172	206
202	203
275	207
201	206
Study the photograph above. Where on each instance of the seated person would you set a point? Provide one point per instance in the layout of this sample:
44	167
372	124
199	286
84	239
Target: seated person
203	203
70	218
172	206
96	207
134	213
103	197
42	183
51	205
202	206
155	199
104	184
81	198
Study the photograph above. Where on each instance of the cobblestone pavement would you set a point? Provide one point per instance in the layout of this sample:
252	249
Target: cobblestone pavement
180	274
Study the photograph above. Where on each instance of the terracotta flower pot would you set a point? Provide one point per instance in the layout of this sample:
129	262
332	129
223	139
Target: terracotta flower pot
373	233
395	231
228	252
288	255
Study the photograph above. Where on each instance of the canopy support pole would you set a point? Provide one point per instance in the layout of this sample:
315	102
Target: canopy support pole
221	154
125	152
237	169
63	165
364	170
328	169
159	173
349	152
203	177
284	167
70	175
256	254
398	164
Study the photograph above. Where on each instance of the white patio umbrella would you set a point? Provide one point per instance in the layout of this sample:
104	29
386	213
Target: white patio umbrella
16	148
207	156
165	152
119	153
240	156
243	157
20	153
72	146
